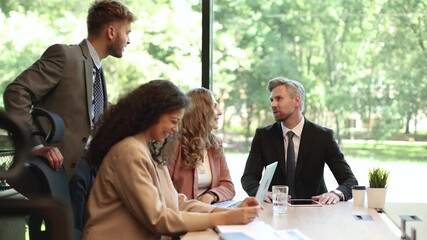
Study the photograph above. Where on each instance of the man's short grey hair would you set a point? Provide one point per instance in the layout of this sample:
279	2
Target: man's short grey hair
293	87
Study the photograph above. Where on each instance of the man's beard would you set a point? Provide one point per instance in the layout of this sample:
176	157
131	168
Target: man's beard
115	49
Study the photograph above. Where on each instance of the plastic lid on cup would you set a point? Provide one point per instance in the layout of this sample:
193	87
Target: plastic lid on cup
359	187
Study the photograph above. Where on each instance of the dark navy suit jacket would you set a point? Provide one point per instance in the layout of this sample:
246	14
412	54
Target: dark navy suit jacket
317	148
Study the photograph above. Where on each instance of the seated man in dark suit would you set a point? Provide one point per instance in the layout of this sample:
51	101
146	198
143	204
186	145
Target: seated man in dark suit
311	147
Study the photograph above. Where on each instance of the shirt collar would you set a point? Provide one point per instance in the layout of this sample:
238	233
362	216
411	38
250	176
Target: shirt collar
297	130
94	55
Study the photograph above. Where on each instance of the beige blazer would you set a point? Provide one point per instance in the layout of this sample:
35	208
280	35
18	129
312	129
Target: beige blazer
61	82
133	198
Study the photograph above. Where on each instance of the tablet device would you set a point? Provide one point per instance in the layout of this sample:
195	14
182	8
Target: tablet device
304	203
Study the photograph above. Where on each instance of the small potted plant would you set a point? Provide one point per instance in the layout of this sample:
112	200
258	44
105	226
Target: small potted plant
378	181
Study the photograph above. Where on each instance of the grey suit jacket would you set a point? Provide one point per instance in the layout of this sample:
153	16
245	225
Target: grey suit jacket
317	148
61	82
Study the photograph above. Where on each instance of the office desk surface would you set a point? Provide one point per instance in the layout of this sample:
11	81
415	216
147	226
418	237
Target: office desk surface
339	221
395	210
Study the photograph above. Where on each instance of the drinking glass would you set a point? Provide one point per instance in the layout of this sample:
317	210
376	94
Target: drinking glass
280	199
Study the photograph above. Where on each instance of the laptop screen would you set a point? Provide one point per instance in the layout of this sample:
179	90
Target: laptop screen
262	189
265	181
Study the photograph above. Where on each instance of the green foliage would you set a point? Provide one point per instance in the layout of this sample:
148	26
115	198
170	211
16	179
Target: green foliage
53	9
364	58
3	167
378	177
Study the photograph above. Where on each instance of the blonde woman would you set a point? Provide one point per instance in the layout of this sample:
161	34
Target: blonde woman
197	164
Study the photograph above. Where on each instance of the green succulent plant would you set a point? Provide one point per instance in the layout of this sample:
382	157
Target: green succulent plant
378	177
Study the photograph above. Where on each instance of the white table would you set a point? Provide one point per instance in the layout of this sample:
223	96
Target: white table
339	221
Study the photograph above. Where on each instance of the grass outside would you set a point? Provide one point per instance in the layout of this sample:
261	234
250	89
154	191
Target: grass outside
386	152
406	162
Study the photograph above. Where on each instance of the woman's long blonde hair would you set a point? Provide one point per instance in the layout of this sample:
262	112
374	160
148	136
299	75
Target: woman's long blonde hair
196	129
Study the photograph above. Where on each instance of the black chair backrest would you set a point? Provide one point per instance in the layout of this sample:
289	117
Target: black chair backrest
54	132
47	190
39	179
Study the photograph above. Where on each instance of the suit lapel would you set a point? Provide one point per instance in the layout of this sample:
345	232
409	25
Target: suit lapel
88	66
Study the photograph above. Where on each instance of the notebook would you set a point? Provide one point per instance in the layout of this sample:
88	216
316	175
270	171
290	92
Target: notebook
262	189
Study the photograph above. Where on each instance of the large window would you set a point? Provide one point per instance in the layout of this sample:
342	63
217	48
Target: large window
362	63
165	40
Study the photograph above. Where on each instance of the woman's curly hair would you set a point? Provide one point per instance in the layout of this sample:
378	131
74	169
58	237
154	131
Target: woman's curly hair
196	130
133	114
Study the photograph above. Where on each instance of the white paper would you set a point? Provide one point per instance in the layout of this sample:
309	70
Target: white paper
256	229
292	234
262	231
227	204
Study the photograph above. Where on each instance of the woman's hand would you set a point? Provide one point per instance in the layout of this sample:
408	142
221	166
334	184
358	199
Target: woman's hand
242	215
250	202
206	198
246	212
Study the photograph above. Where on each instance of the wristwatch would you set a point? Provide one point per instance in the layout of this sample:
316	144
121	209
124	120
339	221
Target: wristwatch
338	193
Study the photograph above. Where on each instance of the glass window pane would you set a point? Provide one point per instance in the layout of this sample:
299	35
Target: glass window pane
164	43
362	64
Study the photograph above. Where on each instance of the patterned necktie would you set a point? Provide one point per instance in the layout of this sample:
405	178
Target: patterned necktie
290	172
98	95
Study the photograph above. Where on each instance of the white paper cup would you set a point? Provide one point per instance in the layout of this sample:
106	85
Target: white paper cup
359	193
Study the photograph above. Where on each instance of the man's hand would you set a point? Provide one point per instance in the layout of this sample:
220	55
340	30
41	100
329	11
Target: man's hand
327	198
52	155
268	197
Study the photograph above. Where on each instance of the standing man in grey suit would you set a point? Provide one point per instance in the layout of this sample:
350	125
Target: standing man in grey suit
311	147
63	81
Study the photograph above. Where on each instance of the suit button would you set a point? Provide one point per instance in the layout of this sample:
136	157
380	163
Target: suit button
73	165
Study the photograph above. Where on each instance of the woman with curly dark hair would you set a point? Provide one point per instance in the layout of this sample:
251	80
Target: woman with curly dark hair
197	166
133	196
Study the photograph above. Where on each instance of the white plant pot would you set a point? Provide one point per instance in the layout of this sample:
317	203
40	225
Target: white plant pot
376	197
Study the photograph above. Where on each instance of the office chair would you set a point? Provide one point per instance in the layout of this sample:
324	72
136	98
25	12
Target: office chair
52	211
47	190
38	178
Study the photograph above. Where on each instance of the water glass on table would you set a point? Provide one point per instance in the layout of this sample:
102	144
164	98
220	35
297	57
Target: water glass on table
280	199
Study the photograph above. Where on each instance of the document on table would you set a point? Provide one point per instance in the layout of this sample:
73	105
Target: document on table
257	230
227	204
293	234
